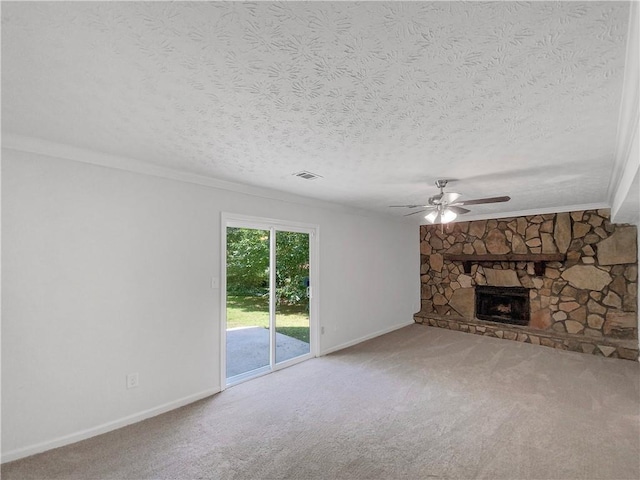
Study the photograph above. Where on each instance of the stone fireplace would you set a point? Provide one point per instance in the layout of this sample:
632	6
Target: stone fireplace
502	304
575	274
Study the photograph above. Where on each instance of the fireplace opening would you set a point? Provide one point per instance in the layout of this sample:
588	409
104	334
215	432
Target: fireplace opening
503	304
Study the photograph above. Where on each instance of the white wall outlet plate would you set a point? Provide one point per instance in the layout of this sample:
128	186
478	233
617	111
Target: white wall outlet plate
132	380
215	282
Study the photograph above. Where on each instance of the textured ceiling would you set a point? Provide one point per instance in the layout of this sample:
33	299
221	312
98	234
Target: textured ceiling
380	98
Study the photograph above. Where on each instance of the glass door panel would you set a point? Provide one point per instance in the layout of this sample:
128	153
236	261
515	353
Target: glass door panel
291	295
248	338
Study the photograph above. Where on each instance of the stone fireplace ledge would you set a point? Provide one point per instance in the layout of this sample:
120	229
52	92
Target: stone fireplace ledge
607	347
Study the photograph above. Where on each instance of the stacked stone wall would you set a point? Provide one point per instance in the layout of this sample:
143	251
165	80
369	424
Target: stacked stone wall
593	294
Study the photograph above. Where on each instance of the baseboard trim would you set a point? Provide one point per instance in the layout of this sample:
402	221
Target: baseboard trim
366	337
104	428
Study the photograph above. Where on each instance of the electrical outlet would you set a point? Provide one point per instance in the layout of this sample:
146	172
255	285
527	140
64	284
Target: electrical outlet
322	330
132	380
215	282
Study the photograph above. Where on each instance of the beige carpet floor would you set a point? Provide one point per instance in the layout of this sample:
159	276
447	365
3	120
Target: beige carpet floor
418	403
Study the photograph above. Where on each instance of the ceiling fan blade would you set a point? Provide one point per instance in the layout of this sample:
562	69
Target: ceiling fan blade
419	211
458	210
406	206
479	201
449	197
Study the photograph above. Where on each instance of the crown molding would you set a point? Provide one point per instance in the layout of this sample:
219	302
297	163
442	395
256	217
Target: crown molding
47	148
626	163
38	146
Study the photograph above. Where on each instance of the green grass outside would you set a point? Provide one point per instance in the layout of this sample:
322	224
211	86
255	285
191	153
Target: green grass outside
291	320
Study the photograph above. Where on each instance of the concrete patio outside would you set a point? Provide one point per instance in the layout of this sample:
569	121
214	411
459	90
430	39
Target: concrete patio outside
248	349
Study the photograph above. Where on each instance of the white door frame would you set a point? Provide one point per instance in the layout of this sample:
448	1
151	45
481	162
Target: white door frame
244	221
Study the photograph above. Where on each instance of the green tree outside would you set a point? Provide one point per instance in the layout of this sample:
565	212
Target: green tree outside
247	261
248	264
248	280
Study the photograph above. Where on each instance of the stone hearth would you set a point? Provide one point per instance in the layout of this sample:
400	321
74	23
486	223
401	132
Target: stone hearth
586	302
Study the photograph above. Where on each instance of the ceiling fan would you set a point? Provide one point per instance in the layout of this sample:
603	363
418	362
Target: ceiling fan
445	207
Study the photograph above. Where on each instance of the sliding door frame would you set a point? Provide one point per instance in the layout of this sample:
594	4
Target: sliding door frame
260	223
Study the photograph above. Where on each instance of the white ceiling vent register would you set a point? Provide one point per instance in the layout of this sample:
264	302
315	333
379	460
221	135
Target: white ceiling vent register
307	175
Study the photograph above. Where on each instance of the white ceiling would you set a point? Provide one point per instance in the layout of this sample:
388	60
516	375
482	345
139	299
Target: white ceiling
379	98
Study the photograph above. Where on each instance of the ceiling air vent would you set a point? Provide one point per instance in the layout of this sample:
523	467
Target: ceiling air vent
306	175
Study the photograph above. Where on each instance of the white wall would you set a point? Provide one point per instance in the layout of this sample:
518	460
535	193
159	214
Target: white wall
107	272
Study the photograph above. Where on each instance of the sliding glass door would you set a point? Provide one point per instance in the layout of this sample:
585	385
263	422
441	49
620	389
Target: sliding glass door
267	308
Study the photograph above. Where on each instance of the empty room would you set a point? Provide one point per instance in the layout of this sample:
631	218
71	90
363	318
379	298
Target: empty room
320	240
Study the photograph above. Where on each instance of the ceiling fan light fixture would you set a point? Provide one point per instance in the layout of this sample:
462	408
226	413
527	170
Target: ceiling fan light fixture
431	218
448	216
